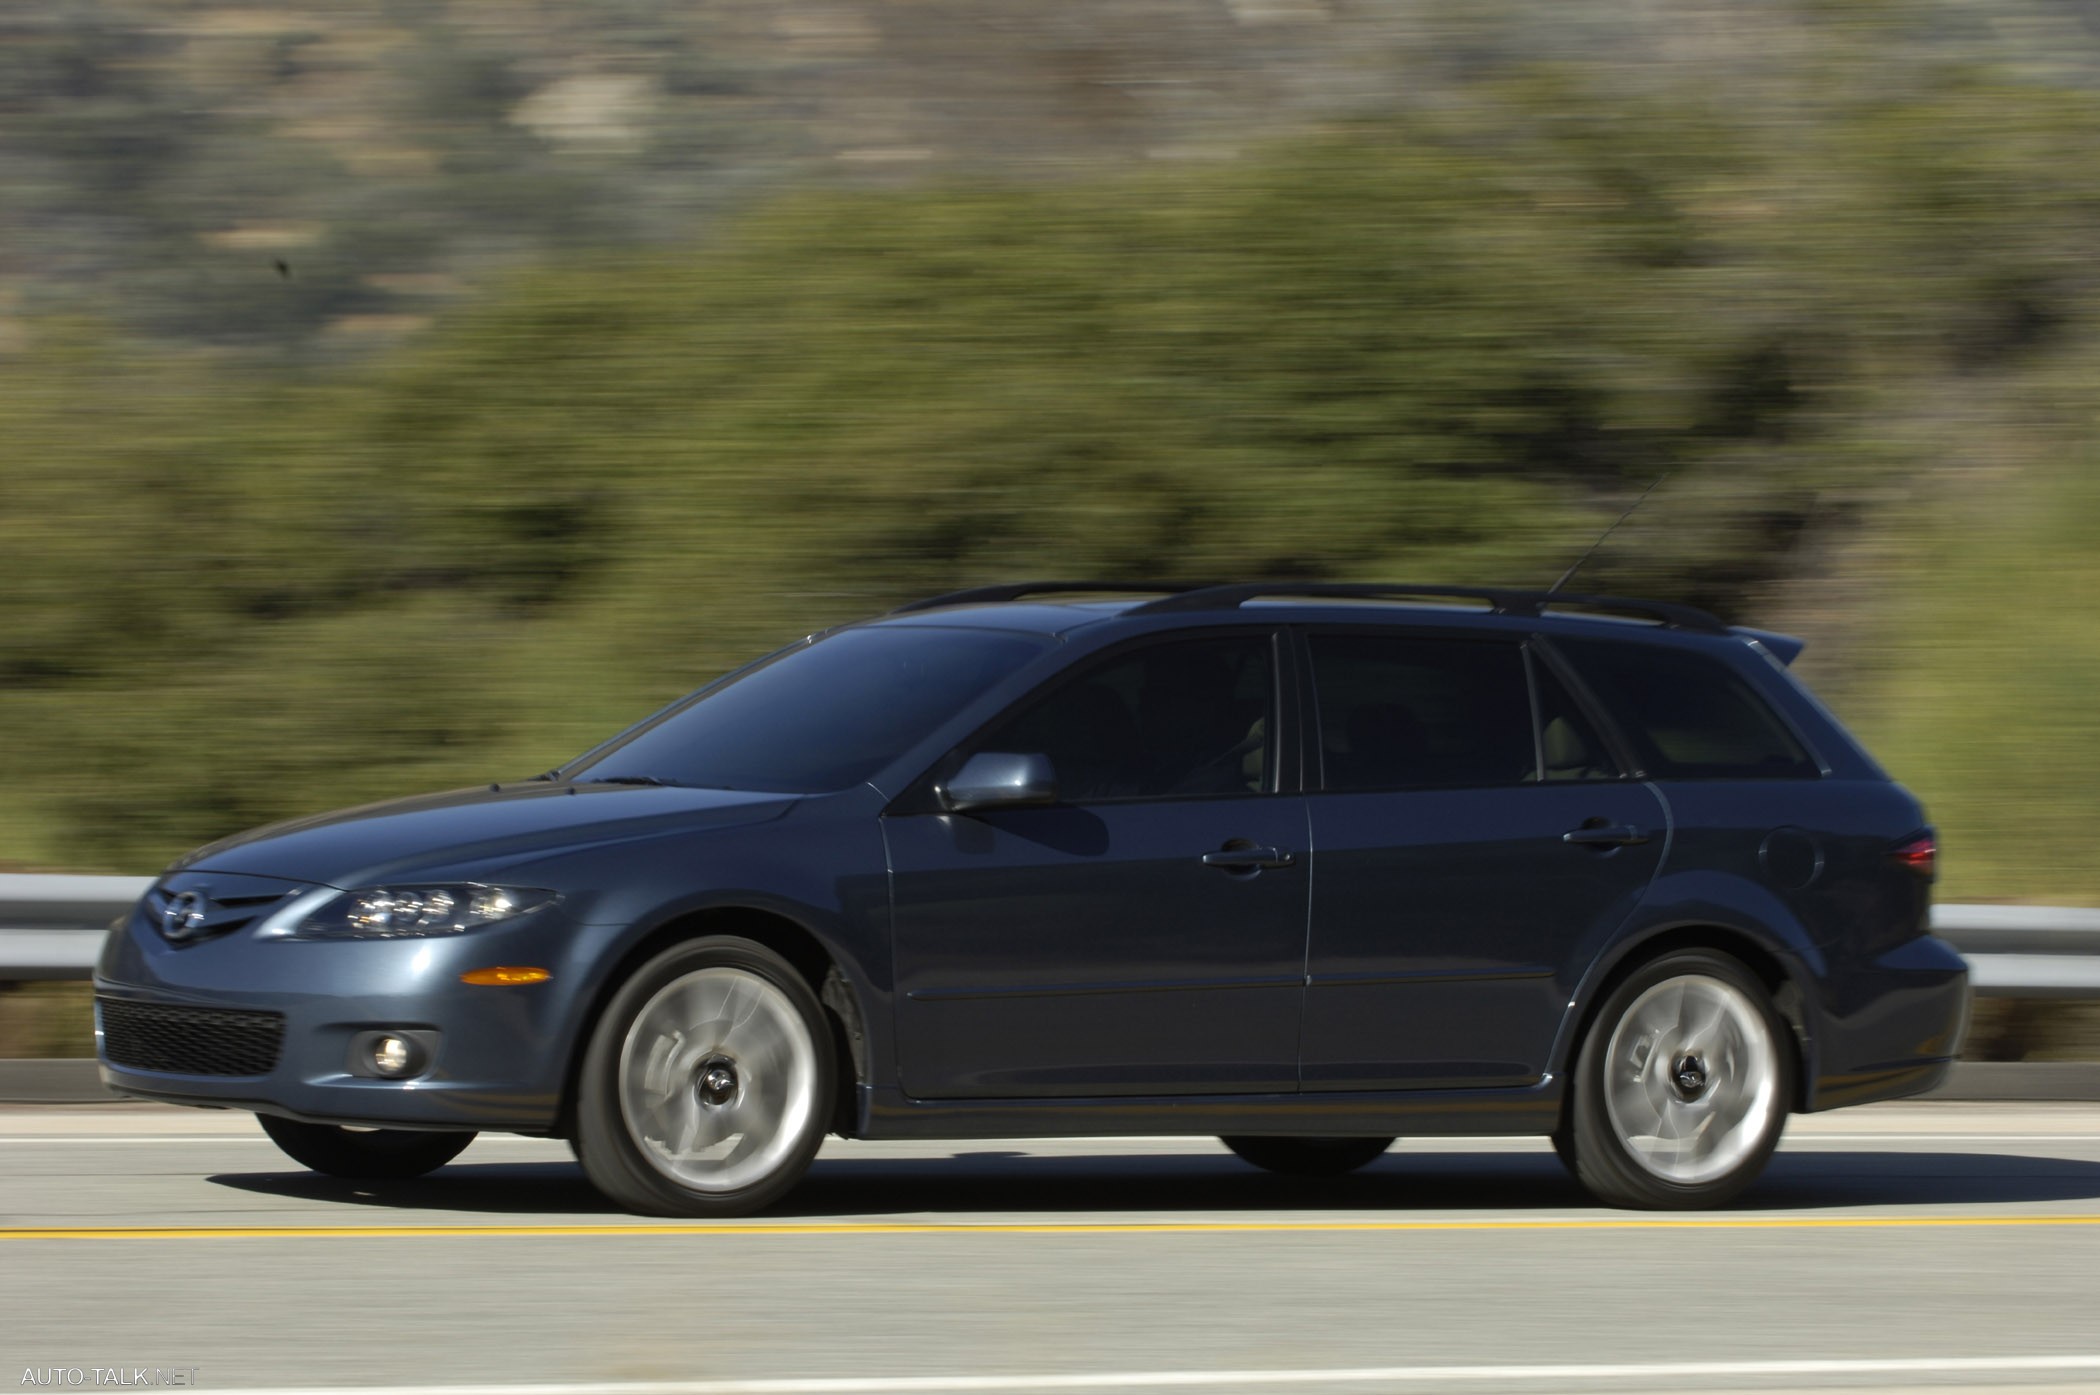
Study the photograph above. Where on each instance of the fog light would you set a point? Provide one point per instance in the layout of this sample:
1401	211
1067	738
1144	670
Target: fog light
393	1056
393	1053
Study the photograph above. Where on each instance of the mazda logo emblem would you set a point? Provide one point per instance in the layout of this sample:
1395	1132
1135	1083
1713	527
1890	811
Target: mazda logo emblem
185	914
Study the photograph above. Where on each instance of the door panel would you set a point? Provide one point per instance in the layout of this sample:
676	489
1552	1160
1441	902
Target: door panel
1449	927
1451	915
1090	951
1086	948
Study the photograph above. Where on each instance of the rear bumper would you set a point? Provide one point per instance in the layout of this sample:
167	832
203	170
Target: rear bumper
1890	1028
500	1053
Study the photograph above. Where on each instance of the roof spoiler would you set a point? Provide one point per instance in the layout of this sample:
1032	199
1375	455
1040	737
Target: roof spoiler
1785	648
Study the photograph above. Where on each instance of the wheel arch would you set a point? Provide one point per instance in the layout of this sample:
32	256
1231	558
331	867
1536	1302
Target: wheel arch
1768	959
818	964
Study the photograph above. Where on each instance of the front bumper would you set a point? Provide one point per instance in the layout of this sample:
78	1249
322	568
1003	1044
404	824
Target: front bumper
1890	1027
501	1053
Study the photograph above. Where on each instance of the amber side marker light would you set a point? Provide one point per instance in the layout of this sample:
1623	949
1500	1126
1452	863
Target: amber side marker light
503	974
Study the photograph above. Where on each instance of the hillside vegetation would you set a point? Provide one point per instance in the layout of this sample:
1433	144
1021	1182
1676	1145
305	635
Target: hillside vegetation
1852	322
1981	696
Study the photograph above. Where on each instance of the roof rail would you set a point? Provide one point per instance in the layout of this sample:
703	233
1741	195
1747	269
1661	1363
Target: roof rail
1502	600
1015	590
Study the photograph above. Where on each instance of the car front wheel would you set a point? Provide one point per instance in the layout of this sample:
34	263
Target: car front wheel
706	1087
1681	1088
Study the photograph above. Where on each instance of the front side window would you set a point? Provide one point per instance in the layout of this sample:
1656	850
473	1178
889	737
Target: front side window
821	716
1687	716
1400	712
1182	719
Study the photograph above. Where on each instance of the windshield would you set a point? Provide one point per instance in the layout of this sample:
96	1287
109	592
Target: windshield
819	717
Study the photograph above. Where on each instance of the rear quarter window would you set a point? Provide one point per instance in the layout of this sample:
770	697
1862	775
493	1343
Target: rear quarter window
1687	715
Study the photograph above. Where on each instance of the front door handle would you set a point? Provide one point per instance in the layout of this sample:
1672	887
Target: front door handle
1598	834
1248	859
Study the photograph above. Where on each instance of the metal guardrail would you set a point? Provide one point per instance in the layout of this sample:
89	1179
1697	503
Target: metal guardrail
51	927
2025	951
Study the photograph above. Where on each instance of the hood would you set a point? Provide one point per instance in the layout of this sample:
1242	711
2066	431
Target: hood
487	825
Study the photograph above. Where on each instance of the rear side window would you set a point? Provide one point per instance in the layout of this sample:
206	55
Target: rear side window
1688	717
1397	712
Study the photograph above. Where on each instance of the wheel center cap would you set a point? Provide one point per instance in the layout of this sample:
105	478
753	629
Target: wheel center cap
1688	1077
716	1081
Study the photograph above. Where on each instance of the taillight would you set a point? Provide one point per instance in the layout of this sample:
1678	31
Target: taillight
1920	853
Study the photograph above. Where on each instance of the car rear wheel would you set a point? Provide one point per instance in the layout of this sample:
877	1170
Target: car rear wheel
363	1154
707	1086
1682	1086
1308	1157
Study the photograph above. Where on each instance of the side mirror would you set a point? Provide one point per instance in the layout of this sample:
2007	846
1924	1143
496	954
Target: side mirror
999	780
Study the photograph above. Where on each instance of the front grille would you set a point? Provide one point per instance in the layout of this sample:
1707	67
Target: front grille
208	911
189	1040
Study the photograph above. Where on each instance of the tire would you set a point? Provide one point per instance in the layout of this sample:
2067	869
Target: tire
1682	1086
1308	1157
364	1154
706	1087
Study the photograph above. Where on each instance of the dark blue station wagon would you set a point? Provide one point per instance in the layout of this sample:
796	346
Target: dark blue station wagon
1307	867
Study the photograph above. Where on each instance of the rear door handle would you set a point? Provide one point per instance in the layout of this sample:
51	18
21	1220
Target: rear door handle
1248	859
1616	835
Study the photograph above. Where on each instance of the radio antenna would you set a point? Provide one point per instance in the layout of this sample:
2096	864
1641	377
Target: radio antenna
1569	574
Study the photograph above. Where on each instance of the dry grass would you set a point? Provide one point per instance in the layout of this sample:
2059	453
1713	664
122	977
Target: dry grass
46	1019
2019	1029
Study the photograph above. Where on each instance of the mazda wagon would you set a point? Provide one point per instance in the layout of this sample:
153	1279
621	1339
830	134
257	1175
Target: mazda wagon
1307	867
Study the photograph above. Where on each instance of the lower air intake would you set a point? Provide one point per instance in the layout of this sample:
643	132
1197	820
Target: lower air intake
189	1040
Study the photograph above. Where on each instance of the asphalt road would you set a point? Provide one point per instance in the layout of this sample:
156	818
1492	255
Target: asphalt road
1939	1246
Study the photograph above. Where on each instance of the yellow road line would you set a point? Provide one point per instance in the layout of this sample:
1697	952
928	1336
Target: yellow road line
432	1232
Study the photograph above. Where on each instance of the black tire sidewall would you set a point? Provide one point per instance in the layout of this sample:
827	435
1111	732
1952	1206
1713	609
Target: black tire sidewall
603	1143
1590	1144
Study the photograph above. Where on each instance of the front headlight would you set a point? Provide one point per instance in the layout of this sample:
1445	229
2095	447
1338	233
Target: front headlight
397	912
